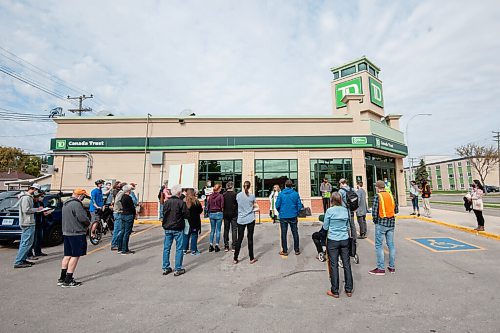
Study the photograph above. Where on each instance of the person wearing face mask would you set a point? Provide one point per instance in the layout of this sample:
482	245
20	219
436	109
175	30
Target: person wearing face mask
74	227
27	223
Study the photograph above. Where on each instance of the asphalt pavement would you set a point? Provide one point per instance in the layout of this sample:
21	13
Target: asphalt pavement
430	292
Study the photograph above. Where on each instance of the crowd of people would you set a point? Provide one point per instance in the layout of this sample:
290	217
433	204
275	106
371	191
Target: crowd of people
181	212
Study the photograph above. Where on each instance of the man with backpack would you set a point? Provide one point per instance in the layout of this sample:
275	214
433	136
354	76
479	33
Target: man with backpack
350	200
289	206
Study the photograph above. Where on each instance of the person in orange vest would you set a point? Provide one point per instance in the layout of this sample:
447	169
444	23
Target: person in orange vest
384	211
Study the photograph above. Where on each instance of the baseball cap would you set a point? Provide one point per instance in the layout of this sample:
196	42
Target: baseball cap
36	186
80	191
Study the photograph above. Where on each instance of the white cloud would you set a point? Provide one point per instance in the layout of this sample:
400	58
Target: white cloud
265	57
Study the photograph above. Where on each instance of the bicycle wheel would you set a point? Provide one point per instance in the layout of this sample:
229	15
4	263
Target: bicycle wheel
95	237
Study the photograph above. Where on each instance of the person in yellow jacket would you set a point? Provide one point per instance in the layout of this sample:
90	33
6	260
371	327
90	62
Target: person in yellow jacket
384	211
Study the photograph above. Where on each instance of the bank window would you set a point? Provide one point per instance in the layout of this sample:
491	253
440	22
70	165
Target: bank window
348	71
372	71
219	172
452	187
332	169
274	172
362	67
450	165
336	75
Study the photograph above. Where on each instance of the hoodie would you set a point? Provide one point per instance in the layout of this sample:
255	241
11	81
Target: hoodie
288	203
74	218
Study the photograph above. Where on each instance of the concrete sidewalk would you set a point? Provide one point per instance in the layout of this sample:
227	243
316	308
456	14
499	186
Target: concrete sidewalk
460	220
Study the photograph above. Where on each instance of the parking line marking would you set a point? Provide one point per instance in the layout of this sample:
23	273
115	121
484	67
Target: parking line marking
108	244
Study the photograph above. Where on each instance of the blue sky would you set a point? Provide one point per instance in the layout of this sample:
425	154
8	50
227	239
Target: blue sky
258	57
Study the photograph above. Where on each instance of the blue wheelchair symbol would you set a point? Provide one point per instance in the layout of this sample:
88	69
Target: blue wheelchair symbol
444	244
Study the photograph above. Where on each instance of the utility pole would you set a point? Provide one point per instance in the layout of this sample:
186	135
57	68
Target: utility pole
497	137
80	108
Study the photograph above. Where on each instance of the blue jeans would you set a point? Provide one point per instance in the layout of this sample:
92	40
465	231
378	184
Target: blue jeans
193	235
116	229
127	222
414	202
36	249
295	233
27	239
388	232
161	212
170	235
215	227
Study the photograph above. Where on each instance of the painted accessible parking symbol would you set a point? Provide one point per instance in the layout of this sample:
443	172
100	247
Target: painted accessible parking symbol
444	244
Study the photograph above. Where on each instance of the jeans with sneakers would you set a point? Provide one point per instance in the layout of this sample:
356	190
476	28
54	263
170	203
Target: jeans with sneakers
27	239
170	235
215	227
388	232
116	229
284	231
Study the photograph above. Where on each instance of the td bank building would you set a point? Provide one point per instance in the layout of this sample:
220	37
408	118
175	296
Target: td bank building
358	141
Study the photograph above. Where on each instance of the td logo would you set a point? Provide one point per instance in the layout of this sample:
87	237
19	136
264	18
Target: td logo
60	144
347	88
376	93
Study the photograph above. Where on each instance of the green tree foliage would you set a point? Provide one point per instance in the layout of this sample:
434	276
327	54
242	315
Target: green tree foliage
421	172
15	159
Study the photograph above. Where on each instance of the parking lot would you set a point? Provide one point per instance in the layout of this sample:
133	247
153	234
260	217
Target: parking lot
432	290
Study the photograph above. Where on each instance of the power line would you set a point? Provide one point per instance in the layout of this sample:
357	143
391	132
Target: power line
37	70
19	77
48	75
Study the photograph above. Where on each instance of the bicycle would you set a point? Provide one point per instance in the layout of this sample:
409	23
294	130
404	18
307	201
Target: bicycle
101	226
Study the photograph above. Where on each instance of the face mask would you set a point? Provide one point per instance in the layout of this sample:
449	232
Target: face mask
36	193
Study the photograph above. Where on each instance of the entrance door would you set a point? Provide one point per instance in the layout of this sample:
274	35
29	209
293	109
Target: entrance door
378	168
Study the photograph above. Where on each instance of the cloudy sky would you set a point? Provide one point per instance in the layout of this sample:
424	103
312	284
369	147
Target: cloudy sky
254	57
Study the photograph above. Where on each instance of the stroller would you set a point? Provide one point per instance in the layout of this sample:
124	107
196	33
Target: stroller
352	240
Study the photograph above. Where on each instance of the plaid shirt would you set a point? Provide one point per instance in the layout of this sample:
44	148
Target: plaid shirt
384	221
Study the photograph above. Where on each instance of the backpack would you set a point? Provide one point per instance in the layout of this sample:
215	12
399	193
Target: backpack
160	192
352	199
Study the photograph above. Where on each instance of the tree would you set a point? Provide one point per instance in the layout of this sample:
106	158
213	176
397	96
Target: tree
421	172
15	159
482	158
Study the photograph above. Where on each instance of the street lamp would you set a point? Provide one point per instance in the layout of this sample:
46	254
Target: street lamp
408	144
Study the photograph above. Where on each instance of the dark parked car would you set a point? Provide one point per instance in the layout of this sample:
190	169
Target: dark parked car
491	188
10	230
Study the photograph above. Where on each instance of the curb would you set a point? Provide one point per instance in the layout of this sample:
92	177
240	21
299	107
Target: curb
459	227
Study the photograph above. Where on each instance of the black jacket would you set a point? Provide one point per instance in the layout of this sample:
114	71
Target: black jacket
230	204
128	207
174	213
194	216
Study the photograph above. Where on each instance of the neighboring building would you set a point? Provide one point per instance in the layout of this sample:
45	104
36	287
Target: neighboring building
9	176
45	182
350	143
450	174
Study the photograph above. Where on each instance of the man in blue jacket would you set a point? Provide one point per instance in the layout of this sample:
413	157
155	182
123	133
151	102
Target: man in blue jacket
289	206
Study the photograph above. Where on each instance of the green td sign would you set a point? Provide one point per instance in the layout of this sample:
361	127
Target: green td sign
347	88
359	140
376	93
60	144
